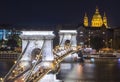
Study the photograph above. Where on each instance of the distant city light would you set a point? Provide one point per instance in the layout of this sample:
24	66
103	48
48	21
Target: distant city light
119	60
68	31
37	32
92	59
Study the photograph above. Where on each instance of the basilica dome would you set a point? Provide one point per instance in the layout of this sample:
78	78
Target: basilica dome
97	19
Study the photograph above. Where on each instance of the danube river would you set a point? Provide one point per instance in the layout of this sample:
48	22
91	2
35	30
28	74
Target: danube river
92	70
5	67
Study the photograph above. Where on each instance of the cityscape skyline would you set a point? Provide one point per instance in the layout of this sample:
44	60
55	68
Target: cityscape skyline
59	41
52	12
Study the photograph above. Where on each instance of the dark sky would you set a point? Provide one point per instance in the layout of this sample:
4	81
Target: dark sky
49	12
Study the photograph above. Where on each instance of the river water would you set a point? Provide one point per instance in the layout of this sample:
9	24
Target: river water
5	67
100	70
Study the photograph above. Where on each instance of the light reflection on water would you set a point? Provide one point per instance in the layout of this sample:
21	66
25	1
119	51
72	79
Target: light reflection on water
102	71
97	71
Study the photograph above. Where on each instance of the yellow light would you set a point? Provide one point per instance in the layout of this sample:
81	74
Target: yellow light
1	79
23	79
13	71
22	66
15	62
52	65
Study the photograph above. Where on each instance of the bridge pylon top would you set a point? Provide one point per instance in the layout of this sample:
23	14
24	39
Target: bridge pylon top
68	32
37	35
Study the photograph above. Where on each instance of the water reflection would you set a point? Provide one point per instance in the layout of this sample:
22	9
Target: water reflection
5	67
119	60
104	71
107	70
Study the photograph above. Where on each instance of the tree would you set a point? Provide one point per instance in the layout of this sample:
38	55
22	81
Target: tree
12	43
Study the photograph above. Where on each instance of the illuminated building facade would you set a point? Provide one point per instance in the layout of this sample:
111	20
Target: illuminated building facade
96	32
5	34
90	36
85	20
97	20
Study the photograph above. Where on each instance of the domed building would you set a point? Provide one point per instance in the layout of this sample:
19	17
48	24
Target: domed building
95	33
97	20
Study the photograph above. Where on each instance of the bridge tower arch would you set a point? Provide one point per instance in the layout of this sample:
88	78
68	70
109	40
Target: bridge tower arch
68	35
38	41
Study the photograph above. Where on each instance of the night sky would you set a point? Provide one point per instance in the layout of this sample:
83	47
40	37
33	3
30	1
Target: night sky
50	12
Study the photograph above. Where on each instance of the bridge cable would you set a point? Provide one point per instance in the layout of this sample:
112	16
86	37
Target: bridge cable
48	70
61	57
30	73
59	45
18	60
62	39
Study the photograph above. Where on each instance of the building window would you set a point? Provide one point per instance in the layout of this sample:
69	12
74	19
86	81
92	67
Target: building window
103	32
81	32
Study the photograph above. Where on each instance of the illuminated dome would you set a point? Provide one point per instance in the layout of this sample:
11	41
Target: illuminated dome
97	19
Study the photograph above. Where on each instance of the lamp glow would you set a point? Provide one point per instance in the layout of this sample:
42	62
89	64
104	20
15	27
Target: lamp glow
92	59
119	60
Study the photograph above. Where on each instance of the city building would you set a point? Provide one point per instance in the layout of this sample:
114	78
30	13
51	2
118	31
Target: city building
4	34
9	38
116	42
95	33
97	20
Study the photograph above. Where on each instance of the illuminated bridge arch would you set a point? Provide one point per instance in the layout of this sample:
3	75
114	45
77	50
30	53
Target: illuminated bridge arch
68	35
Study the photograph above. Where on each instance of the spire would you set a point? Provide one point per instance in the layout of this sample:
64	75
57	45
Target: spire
85	20
104	15
97	19
105	20
85	14
97	10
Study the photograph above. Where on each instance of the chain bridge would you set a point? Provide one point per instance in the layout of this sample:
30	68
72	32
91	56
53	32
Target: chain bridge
39	62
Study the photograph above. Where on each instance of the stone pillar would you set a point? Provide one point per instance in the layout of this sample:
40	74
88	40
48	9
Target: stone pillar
47	51
38	39
49	78
44	41
68	35
61	38
73	40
